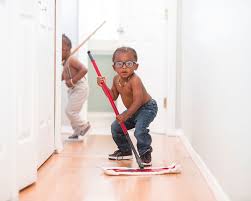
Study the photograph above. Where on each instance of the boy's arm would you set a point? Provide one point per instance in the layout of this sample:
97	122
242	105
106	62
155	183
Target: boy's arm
137	90
81	69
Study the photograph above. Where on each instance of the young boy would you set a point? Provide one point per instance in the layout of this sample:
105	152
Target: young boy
141	108
74	75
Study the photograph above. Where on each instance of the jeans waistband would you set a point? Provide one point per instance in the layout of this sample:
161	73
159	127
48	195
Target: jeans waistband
151	101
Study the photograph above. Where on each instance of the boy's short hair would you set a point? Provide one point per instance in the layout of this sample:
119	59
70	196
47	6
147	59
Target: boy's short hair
125	50
67	40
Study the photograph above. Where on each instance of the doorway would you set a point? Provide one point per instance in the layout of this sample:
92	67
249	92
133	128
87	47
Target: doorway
152	34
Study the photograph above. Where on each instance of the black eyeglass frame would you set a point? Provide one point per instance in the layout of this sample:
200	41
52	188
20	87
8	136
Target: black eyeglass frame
128	64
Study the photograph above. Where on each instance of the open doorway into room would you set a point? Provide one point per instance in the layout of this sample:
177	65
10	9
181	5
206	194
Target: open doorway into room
152	34
77	23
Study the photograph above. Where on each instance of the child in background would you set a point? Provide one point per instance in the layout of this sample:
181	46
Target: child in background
74	75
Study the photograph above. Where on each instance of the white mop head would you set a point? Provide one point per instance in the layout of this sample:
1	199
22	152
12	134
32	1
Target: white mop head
172	169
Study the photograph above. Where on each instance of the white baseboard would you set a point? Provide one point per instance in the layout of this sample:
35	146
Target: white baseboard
217	190
66	130
174	132
94	130
100	124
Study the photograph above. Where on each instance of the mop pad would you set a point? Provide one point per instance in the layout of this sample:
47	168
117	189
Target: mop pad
114	171
126	170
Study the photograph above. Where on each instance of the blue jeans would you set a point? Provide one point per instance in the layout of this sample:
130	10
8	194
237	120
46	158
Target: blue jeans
140	121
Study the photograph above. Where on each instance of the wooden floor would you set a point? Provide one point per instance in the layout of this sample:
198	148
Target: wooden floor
75	175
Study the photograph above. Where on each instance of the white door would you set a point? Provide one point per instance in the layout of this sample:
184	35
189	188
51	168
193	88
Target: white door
144	27
45	65
26	87
7	108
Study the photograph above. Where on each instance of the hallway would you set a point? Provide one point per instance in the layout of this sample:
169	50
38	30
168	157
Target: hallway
74	175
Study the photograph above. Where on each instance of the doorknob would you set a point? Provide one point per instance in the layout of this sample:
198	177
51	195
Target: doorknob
165	102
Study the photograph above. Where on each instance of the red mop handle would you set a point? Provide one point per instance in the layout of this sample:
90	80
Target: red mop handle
107	92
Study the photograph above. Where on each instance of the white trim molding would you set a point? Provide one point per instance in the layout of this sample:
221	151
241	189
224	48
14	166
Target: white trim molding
174	132
58	72
212	182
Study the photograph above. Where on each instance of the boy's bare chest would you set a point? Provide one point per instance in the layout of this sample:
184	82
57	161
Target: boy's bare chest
125	90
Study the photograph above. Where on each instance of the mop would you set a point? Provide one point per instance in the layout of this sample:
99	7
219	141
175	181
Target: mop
125	170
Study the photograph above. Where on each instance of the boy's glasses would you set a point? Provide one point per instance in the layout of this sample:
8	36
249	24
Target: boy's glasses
120	64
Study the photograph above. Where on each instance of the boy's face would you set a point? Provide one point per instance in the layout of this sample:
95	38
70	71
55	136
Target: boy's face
65	50
125	64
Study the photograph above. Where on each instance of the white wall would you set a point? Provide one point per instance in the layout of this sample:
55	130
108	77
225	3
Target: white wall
104	40
69	19
93	13
216	86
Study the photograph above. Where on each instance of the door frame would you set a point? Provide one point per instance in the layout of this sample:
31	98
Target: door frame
57	77
171	15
